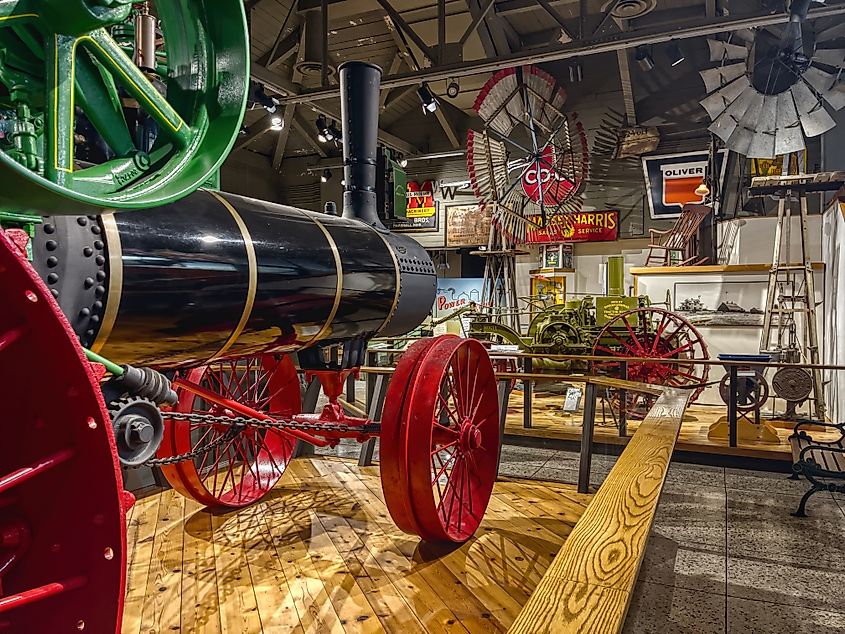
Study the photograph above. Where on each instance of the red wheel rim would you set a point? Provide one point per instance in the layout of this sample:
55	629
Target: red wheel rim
659	334
62	519
448	435
242	469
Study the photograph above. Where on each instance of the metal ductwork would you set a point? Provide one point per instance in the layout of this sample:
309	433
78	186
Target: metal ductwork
359	93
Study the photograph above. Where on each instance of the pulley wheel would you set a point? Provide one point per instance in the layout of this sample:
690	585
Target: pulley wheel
752	392
88	130
440	439
652	333
62	517
793	384
241	464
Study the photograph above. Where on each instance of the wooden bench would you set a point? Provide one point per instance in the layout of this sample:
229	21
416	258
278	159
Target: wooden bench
589	584
822	463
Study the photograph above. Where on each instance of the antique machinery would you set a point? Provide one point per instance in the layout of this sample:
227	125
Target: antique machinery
220	288
614	326
213	290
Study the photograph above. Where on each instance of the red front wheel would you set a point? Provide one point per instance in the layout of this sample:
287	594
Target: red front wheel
440	439
240	465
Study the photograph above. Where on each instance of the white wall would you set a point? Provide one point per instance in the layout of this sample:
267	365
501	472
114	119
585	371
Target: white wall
834	317
751	240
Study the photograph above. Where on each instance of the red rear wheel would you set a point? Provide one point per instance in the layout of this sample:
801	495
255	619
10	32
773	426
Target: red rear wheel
62	521
242	465
653	333
440	439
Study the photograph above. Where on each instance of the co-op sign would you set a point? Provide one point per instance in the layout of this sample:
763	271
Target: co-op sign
671	181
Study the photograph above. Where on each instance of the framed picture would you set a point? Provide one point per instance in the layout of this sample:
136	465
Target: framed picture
467	225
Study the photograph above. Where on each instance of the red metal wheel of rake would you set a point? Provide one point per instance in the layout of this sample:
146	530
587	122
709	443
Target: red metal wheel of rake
241	470
652	333
62	553
440	439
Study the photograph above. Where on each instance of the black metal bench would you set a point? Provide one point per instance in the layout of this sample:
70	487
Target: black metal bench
822	463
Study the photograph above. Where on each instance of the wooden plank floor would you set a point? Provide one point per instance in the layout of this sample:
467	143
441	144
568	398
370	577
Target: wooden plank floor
321	554
550	423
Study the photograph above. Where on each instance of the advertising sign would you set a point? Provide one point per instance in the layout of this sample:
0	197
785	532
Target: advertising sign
671	181
454	293
468	225
421	200
410	225
543	178
584	226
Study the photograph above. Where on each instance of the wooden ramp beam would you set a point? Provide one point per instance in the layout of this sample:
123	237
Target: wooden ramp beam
589	585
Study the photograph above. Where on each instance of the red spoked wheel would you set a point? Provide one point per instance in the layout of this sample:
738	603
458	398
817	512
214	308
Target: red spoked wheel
240	465
652	333
62	515
440	439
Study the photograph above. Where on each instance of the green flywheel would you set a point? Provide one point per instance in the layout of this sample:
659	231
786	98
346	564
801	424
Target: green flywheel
117	104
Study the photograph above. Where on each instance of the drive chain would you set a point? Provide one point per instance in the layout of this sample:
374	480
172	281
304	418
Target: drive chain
237	424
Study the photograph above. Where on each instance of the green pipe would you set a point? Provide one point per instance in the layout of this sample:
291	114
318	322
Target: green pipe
113	368
616	276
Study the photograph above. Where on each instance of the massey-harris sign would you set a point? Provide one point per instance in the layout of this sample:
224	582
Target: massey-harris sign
585	226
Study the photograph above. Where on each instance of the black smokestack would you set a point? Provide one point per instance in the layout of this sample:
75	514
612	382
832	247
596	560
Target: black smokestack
359	92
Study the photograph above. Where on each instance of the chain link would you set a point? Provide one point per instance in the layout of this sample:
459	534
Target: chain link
239	423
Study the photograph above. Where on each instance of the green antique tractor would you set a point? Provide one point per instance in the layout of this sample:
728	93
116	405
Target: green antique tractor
627	330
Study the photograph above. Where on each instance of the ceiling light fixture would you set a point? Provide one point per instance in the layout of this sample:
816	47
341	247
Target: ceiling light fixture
326	175
676	55
453	89
429	101
644	58
276	123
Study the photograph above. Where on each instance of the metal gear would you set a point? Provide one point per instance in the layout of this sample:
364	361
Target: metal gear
138	429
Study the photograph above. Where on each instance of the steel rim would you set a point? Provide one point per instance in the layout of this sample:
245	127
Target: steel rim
62	554
203	62
242	469
449	440
659	334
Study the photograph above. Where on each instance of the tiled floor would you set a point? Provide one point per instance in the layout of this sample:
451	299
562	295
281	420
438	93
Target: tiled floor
724	555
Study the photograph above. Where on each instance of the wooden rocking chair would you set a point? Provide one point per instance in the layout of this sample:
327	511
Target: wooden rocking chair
676	246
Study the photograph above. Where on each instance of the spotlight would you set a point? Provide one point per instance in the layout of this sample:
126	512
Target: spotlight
270	104
333	133
322	129
429	101
276	123
453	89
403	162
326	175
644	58
676	55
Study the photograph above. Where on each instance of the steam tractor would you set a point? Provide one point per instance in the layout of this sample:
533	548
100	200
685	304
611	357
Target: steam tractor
627	330
147	321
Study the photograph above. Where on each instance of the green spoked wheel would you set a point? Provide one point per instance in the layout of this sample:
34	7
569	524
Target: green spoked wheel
114	104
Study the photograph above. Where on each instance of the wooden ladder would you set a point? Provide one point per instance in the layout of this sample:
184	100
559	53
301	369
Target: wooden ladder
791	288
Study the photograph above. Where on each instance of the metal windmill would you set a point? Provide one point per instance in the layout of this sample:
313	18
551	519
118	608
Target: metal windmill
531	160
774	87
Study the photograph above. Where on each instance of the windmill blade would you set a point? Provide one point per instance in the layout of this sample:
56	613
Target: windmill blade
715	78
831	33
815	119
725	51
825	84
830	56
763	143
741	138
788	137
486	164
725	125
719	101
